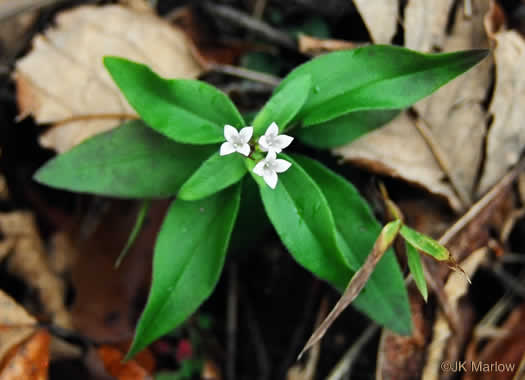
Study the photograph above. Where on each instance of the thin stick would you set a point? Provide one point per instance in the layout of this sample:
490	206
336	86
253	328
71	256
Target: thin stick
510	282
260	348
231	322
300	330
251	23
441	159
258	9
344	366
240	72
480	205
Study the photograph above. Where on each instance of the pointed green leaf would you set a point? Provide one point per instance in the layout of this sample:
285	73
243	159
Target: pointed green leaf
376	77
283	105
189	256
425	244
216	173
300	214
187	111
416	268
131	161
385	299
139	222
344	129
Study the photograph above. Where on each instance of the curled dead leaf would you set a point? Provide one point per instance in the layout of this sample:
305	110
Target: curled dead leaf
130	370
506	137
16	324
30	360
29	261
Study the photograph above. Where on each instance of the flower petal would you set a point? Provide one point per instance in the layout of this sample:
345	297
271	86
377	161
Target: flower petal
271	156
245	134
226	148
259	168
263	144
230	132
244	150
273	129
281	165
271	179
282	141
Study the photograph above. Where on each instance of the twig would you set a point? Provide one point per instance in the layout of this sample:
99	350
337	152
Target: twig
441	159
437	287
344	366
240	72
510	282
258	27
299	332
258	9
231	321
513	258
480	205
258	341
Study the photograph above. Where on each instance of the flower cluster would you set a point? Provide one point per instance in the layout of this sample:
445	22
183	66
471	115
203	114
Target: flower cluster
271	142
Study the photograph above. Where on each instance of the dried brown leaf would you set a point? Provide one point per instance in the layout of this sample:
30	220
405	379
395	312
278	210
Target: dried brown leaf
494	20
29	261
63	79
130	370
30	361
454	119
425	23
407	156
15	324
380	17
506	136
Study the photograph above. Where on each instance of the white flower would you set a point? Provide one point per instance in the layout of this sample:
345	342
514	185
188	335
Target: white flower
269	167
271	141
236	141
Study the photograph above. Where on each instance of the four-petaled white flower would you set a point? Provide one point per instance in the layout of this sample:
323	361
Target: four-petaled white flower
269	167
272	141
236	141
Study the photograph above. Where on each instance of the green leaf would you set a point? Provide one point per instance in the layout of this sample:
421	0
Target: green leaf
139	222
189	256
216	173
187	111
425	244
416	268
344	129
283	105
385	299
131	161
376	77
300	214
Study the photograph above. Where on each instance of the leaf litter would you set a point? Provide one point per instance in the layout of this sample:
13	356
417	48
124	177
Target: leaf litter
62	80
